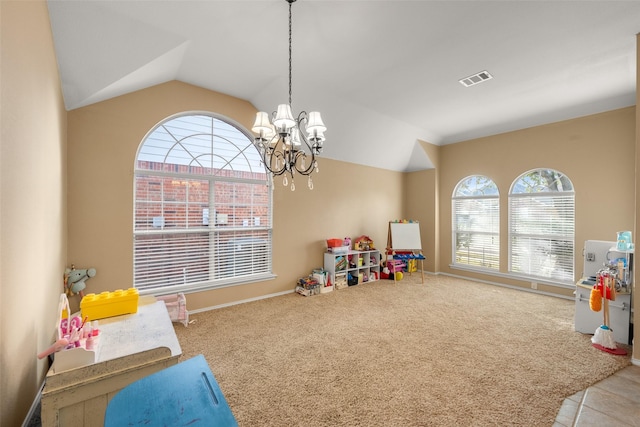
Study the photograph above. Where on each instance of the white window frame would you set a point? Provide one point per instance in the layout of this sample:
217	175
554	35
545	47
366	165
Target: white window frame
542	227
475	211
200	248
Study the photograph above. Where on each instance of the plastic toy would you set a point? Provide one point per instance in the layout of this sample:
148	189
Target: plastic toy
109	304
74	279
363	243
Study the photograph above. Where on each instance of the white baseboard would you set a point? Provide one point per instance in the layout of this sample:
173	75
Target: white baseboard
215	307
635	361
229	304
504	285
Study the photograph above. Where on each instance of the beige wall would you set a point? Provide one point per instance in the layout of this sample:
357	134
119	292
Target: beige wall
347	200
32	202
595	152
421	204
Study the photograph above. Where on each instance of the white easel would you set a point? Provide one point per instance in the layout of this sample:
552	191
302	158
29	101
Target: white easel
405	237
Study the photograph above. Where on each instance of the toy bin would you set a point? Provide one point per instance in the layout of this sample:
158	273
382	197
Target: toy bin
333	243
109	304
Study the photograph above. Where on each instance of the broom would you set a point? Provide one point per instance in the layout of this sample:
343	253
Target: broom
603	338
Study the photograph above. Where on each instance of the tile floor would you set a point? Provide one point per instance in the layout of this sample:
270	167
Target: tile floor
612	402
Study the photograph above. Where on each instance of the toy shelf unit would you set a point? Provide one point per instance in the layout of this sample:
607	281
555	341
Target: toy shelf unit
353	267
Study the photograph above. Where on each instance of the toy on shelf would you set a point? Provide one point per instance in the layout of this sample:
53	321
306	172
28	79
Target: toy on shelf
337	246
363	243
333	243
74	279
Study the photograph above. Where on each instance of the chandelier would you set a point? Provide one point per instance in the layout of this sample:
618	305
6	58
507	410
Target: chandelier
288	144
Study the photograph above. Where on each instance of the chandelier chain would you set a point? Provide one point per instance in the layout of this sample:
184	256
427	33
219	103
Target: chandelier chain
290	50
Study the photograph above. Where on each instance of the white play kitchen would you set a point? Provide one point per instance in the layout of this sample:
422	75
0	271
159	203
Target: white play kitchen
614	260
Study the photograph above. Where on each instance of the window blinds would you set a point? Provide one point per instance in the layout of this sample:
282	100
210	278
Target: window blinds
542	235
476	226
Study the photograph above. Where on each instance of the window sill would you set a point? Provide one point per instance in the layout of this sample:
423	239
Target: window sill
208	286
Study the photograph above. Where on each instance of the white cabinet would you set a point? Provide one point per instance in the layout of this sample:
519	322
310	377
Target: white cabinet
360	266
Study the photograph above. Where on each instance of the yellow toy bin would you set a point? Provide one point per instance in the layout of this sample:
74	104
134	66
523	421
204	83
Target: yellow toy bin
109	304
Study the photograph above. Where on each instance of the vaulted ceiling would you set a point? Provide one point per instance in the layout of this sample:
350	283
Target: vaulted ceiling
384	74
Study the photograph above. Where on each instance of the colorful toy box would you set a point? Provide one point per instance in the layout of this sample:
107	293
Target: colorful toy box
109	304
308	286
332	243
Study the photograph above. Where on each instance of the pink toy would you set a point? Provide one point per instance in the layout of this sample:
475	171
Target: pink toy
395	265
57	346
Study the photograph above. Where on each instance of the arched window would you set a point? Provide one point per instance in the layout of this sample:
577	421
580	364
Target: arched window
542	226
202	207
476	223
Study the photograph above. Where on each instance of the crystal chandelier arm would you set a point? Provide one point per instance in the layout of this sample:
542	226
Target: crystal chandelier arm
312	129
274	155
300	163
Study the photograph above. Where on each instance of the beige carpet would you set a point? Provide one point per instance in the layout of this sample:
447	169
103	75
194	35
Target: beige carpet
446	353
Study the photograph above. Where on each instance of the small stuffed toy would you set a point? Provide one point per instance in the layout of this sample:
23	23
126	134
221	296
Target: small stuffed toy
74	280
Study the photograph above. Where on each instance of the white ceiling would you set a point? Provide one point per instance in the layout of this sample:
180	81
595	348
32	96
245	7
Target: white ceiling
384	74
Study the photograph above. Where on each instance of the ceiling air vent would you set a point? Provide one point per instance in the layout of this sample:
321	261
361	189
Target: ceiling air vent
474	79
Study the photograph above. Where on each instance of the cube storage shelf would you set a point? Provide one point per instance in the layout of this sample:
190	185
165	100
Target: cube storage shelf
363	266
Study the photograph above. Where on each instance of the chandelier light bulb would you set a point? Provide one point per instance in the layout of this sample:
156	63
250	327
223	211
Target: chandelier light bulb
317	137
295	137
